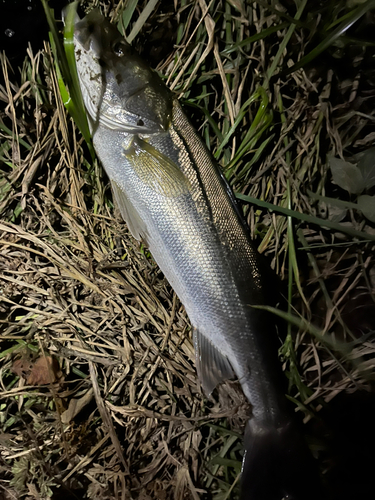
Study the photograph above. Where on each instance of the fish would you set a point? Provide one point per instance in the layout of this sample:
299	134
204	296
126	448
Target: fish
174	198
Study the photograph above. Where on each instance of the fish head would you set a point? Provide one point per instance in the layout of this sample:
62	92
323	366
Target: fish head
119	89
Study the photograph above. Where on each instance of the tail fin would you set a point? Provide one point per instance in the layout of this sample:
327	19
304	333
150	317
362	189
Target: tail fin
277	464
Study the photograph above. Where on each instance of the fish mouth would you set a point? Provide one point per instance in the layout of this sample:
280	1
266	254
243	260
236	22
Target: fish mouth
94	32
133	98
87	32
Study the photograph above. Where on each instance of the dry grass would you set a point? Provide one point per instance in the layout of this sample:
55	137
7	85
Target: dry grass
99	396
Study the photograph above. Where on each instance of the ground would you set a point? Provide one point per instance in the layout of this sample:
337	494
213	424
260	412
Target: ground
99	393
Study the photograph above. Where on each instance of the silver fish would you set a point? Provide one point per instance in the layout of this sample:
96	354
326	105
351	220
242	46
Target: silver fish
173	197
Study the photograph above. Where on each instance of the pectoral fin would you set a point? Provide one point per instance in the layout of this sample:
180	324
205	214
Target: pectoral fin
135	224
156	170
212	366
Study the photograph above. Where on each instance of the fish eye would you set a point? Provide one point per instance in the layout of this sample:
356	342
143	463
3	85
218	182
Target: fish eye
119	48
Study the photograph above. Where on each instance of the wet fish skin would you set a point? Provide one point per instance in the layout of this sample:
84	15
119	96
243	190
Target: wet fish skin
173	197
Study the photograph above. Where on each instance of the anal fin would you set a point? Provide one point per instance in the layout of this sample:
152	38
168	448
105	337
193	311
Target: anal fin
212	366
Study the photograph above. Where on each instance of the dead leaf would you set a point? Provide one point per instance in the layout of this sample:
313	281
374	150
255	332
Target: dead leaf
22	367
45	370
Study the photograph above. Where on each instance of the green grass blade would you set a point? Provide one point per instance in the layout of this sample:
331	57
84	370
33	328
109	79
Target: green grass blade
307	218
126	16
77	107
264	103
320	280
258	36
283	44
142	19
208	116
292	257
65	96
332	201
332	37
55	34
66	70
9	132
325	338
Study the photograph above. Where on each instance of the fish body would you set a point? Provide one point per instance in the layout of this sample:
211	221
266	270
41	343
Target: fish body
173	196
